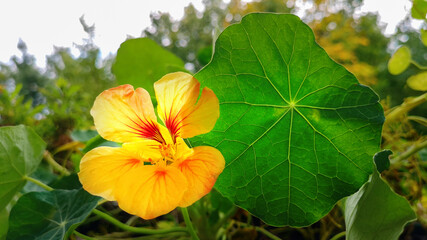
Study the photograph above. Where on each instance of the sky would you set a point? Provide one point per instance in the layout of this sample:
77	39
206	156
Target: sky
43	24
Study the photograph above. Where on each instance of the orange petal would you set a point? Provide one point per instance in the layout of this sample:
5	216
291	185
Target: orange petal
122	114
150	191
102	167
177	95
201	170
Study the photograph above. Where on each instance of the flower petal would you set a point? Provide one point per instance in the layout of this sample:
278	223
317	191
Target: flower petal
101	168
151	191
122	114
201	170
177	95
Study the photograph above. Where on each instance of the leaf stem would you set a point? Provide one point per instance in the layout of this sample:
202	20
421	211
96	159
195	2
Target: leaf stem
55	165
338	236
136	229
419	66
80	235
188	223
37	182
412	150
261	230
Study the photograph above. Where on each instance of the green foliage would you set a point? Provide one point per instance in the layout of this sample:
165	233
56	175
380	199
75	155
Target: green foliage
376	212
141	62
21	150
54	214
15	110
293	135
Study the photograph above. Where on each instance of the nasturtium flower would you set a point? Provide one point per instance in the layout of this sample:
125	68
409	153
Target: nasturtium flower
154	171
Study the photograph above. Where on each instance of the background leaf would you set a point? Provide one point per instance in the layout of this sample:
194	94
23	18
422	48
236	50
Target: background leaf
21	151
400	60
296	129
142	61
376	212
418	82
49	215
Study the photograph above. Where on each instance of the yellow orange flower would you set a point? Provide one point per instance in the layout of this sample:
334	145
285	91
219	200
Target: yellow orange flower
154	171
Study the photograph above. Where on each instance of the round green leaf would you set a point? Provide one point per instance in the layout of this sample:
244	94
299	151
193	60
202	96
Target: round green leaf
296	129
21	151
142	61
49	215
418	82
400	60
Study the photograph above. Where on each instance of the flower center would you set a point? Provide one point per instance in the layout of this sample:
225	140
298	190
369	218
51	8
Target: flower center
168	155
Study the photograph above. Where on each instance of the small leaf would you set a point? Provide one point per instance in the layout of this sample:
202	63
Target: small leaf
49	215
142	61
400	60
424	36
21	151
382	161
296	129
419	9
376	212
418	82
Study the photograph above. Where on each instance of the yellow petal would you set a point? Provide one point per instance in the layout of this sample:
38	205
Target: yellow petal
150	191
183	115
122	114
101	168
201	170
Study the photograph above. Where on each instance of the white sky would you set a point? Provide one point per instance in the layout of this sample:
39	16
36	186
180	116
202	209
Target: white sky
45	23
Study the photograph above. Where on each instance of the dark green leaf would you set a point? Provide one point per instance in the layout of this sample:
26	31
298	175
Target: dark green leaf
49	215
21	151
67	182
296	129
381	160
142	61
98	141
83	135
376	212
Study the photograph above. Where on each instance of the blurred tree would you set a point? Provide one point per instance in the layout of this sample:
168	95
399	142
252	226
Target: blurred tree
190	34
25	72
358	44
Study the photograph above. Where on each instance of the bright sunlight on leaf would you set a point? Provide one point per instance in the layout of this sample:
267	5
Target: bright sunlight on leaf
296	129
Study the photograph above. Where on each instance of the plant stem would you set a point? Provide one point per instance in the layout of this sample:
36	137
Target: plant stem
419	66
55	165
338	236
267	233
224	219
412	150
188	223
80	235
136	229
37	182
